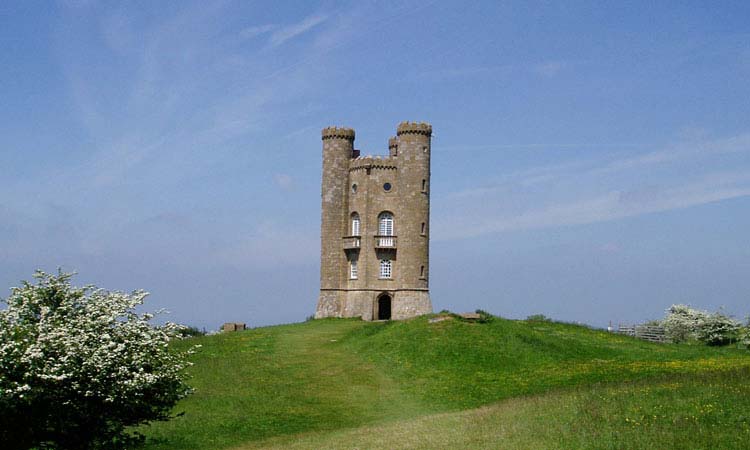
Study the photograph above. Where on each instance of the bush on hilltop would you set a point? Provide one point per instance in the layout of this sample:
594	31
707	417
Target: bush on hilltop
684	323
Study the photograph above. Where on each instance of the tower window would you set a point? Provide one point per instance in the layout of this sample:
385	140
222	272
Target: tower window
421	272
353	272
355	224
354	188
424	228
424	185
385	224
387	187
385	268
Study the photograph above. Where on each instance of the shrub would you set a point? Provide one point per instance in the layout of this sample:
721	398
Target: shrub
538	318
717	329
484	316
189	331
681	322
744	335
78	365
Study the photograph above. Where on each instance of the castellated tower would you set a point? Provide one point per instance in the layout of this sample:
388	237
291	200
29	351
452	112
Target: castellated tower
375	225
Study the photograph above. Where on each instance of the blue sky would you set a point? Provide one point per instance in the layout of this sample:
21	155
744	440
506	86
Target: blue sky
591	160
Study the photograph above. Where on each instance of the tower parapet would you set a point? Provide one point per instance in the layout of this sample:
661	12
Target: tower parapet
414	128
338	133
372	162
393	146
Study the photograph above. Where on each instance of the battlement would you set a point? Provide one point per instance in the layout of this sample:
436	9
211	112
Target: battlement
392	143
414	128
338	133
372	162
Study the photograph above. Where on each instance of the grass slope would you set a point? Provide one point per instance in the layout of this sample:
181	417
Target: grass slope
696	411
329	375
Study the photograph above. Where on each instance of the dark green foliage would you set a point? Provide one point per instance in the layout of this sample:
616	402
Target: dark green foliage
538	318
190	331
484	316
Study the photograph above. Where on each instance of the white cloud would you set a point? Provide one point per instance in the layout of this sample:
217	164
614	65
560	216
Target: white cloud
286	33
599	208
582	192
682	151
284	181
550	68
269	245
251	32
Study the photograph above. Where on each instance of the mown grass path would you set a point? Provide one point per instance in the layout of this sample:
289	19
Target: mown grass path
688	411
329	376
279	380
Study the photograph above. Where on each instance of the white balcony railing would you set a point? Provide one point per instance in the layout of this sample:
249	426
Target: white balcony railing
385	241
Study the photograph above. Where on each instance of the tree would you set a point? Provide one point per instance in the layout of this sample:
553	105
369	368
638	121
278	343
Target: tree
718	329
682	322
79	365
745	335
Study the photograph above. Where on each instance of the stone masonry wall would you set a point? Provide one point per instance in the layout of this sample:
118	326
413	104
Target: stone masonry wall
356	185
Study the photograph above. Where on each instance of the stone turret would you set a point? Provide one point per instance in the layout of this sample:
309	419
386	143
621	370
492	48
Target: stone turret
338	146
375	226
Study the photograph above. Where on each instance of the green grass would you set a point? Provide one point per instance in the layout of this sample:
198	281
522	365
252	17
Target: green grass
695	411
323	379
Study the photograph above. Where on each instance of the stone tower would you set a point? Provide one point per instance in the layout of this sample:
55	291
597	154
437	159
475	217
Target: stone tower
375	225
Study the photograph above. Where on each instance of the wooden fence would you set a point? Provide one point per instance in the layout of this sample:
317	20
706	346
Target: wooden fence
646	332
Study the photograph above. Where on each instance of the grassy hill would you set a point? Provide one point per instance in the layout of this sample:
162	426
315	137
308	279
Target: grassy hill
347	383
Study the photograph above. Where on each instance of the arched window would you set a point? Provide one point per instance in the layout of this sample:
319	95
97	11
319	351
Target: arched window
385	229
355	224
385	224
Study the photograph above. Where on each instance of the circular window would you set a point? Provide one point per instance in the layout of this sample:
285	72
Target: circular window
354	188
387	187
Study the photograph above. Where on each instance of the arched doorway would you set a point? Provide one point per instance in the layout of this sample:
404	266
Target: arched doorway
384	307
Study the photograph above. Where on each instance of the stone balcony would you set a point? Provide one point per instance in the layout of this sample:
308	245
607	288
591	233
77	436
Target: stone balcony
385	242
351	242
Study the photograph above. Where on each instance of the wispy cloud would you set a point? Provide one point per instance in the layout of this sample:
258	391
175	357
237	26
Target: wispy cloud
546	69
682	151
283	34
582	192
550	68
609	206
251	32
284	181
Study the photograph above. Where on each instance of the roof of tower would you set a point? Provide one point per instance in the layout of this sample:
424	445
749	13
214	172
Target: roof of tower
338	133
414	128
392	142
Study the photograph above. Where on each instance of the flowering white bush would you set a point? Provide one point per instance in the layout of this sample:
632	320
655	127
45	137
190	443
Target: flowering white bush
681	322
78	365
744	333
718	329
